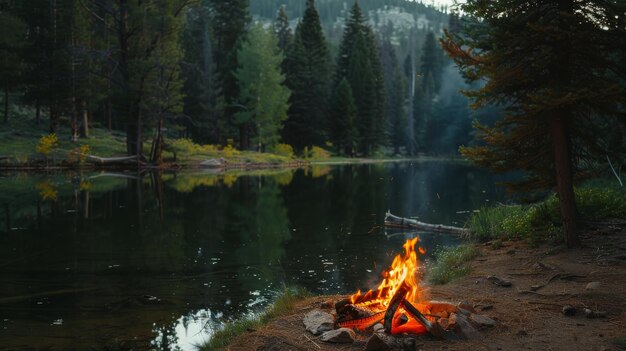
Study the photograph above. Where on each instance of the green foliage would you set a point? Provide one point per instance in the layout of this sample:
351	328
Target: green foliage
228	22
261	93
47	144
284	304
452	263
359	63
284	150
343	119
317	153
307	67
541	221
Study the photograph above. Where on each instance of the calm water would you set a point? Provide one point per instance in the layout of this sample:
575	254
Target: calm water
108	261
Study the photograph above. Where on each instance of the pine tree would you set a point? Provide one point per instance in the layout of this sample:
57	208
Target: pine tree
307	68
343	131
11	41
46	55
264	98
395	83
431	63
359	62
555	68
282	29
229	21
197	68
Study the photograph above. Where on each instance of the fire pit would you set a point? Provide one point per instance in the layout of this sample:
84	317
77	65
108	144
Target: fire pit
397	308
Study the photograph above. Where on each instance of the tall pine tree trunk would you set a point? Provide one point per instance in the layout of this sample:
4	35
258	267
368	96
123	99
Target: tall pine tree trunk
37	112
244	137
6	104
564	177
84	131
560	130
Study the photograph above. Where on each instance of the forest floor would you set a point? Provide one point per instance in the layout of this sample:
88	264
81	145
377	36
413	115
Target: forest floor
526	319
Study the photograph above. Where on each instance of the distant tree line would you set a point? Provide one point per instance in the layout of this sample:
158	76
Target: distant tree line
204	70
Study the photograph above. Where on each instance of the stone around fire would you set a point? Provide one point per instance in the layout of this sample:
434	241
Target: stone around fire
317	322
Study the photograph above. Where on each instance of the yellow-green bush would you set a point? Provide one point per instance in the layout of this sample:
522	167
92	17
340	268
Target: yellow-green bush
283	150
318	153
47	144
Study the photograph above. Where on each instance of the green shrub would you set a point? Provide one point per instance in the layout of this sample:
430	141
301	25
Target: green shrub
317	152
452	263
541	221
47	144
283	150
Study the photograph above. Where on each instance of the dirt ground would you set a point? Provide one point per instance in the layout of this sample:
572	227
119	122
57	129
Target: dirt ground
527	320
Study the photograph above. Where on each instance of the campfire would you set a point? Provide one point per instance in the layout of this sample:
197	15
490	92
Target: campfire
396	308
394	301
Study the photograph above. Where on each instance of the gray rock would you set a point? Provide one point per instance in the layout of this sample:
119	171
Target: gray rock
213	163
481	320
466	306
592	286
499	281
378	327
377	343
463	328
568	310
317	322
594	314
339	336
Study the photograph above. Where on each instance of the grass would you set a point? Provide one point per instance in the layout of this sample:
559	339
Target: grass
452	263
541	222
284	304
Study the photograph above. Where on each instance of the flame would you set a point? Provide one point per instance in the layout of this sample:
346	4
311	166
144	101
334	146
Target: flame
404	269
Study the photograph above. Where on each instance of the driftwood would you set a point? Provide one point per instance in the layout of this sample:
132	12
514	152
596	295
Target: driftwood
112	159
400	222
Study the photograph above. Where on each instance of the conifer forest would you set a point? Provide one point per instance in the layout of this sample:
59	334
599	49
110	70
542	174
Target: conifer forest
312	174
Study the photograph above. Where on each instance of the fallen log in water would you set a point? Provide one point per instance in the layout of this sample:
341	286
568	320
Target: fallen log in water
400	222
112	159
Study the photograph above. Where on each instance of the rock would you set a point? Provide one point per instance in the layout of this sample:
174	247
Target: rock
339	336
212	163
463	328
592	286
378	327
486	307
568	310
444	323
317	322
481	320
594	314
377	343
466	306
499	281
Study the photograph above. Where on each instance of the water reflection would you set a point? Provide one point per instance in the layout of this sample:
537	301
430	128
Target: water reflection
161	260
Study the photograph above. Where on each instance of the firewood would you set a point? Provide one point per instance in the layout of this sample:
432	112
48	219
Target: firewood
394	304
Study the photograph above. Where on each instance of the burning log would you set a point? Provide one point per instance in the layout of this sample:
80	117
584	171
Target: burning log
394	304
400	222
363	323
350	312
359	298
434	328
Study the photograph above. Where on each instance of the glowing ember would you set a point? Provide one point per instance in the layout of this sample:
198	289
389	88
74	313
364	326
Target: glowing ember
403	270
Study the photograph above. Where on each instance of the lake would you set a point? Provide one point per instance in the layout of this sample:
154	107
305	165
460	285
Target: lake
160	260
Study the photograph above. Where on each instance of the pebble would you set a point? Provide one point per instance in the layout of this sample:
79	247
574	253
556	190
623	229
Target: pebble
482	320
339	336
568	310
592	286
